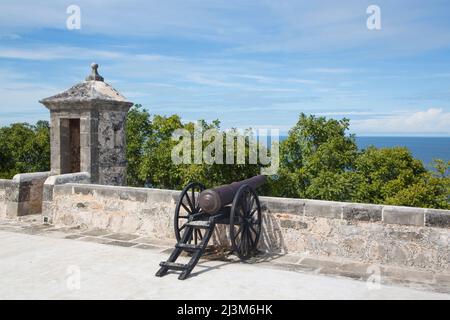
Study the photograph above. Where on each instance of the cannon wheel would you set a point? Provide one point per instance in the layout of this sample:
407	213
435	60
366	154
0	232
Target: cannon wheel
245	222
188	205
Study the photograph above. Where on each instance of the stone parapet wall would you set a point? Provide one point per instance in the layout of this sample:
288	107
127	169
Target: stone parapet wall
376	234
23	194
409	216
51	182
30	191
119	209
5	190
391	235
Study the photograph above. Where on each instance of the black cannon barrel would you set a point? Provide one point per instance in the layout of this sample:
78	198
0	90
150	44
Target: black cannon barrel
212	200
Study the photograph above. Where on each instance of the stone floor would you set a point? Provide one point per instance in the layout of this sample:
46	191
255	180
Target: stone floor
31	230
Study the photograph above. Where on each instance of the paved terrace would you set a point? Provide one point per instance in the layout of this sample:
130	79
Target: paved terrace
43	262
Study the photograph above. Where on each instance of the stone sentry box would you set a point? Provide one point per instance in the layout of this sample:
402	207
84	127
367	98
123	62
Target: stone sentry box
88	123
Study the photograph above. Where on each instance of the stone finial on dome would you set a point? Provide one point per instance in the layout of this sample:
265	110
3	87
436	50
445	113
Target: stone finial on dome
94	76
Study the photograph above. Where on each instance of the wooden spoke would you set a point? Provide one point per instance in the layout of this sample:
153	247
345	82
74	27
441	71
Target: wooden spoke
247	242
187	205
193	199
250	203
237	234
246	215
186	208
190	203
253	203
242	211
253	229
249	236
241	245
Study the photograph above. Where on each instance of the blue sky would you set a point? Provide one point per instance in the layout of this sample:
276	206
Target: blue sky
248	63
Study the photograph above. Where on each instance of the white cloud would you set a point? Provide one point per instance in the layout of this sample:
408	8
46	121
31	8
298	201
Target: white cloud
431	121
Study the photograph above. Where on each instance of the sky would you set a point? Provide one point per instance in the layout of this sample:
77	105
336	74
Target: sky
248	63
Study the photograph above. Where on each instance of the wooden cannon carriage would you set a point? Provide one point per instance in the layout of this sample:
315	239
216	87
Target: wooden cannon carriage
198	211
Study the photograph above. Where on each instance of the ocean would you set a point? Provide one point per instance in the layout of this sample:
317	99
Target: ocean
423	148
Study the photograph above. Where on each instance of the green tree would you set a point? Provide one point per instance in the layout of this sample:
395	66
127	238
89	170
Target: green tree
218	174
24	148
139	128
383	172
150	147
157	168
316	159
430	189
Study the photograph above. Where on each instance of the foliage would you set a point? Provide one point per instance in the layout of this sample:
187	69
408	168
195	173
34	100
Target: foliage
139	128
149	154
430	190
24	148
315	160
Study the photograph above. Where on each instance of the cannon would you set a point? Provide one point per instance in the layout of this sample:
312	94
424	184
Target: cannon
199	210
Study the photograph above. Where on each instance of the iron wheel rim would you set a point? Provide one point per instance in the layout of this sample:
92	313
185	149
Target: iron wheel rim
187	206
245	222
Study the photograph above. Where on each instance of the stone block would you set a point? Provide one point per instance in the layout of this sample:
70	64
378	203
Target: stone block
85	159
47	193
395	274
443	279
404	215
83	190
325	209
63	189
122	236
122	243
106	192
133	195
73	237
96	233
319	263
115	176
85	140
12	192
159	195
85	125
25	191
293	224
437	218
176	196
12	209
282	205
362	212
96	240
4	183
147	247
